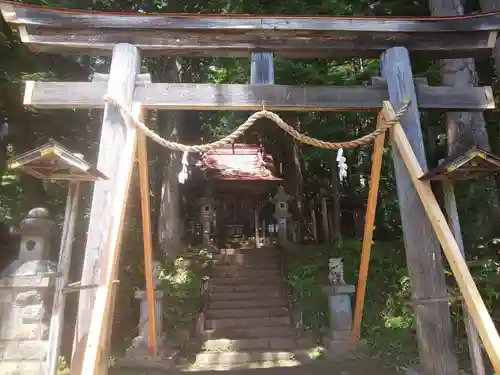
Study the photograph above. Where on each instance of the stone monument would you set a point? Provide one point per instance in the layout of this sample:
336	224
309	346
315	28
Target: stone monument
338	341
26	292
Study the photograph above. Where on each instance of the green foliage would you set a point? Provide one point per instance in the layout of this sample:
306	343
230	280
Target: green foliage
182	283
62	367
388	321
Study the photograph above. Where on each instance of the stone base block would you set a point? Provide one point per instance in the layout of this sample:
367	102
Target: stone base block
23	350
139	355
22	367
336	349
340	335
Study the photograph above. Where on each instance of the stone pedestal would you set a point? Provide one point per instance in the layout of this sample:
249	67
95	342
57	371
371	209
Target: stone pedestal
26	292
339	342
139	353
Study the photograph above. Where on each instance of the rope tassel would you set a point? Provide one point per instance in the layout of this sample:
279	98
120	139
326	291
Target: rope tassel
231	138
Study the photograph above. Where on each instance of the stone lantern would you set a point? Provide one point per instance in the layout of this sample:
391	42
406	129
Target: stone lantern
25	293
281	213
207	213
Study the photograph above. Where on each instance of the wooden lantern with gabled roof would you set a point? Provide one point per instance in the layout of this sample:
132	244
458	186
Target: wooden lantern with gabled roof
53	162
472	164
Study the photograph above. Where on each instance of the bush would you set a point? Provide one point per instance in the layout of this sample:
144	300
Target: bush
182	283
388	321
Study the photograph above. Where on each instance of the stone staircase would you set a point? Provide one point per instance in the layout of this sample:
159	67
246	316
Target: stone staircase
247	320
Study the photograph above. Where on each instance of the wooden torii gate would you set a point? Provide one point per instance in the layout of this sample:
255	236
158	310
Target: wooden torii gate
62	31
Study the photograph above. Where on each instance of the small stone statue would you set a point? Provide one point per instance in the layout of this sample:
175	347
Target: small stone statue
156	273
336	271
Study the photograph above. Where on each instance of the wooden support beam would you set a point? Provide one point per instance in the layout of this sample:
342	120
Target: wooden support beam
190	96
425	265
142	156
116	151
468	288
371	208
63	267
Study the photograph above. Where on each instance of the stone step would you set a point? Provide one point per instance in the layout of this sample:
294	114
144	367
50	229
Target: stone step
247	303
245	288
265	266
306	342
247	322
247	313
248	261
268	280
230	295
260	343
278	363
241	357
241	272
263	251
285	330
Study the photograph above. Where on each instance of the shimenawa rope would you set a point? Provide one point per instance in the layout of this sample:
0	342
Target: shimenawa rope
366	139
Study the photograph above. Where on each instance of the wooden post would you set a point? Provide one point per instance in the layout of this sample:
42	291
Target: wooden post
261	73
256	221
262	69
324	217
63	266
468	288
102	313
475	352
117	146
314	224
142	155
436	346
371	208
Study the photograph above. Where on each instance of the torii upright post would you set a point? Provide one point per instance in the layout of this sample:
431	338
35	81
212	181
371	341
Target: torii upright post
114	159
423	253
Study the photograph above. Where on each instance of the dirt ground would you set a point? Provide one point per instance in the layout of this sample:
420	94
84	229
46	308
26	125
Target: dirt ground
347	367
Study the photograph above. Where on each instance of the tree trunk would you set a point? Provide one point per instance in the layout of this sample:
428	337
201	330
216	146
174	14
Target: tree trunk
169	221
467	129
336	213
293	173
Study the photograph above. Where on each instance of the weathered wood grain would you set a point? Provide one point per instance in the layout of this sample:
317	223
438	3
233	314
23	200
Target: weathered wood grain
468	288
189	96
423	254
64	31
291	44
108	206
63	266
37	15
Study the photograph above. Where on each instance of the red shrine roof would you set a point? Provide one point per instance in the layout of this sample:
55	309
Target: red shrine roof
238	162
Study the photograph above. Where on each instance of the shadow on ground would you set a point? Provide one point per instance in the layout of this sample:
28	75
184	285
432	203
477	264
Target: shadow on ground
347	367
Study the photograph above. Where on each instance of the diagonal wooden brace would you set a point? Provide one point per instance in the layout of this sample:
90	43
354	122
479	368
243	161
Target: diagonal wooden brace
468	288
